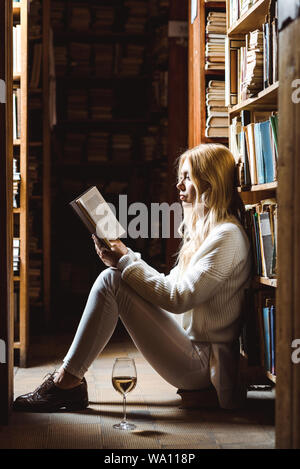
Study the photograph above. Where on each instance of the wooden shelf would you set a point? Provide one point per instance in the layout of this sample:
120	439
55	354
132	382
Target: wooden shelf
215	5
17	142
266	100
269	282
259	187
251	20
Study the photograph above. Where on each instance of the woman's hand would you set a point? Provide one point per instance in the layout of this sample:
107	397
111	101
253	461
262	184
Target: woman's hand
110	257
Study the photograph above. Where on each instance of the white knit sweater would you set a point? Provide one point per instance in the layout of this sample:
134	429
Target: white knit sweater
207	298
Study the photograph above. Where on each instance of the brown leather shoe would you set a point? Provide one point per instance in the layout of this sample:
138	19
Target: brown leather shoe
50	398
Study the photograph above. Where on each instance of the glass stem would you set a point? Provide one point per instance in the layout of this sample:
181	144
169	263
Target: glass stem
124	407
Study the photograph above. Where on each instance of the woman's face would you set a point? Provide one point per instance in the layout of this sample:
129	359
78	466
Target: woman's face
187	191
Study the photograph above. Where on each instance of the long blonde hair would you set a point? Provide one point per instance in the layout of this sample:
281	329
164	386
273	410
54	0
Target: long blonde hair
212	172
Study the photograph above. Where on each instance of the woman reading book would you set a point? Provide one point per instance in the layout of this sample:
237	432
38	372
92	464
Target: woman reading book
186	323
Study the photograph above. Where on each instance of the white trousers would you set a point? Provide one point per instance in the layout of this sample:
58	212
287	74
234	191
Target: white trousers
154	331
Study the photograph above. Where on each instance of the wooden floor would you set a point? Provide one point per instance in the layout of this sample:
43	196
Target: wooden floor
153	406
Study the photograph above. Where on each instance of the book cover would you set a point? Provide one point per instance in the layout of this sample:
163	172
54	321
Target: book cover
266	324
259	155
97	215
273	339
266	148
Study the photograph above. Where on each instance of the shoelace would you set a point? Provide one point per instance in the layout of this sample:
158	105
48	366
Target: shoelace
45	381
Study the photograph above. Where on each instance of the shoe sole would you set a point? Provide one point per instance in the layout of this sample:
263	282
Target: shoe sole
76	406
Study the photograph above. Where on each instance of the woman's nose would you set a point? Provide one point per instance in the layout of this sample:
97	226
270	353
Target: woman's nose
179	185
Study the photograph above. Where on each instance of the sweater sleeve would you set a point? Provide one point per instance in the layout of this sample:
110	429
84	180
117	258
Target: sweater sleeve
199	282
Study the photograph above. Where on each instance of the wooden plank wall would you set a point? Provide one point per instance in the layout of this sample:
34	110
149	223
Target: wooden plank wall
6	225
288	291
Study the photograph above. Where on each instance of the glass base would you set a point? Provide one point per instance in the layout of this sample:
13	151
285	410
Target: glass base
124	426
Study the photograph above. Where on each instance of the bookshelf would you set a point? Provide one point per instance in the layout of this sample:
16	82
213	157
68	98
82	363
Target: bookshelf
31	146
239	24
199	75
6	194
262	101
121	140
20	81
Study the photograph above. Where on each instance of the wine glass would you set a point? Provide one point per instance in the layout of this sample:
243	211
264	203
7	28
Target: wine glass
124	380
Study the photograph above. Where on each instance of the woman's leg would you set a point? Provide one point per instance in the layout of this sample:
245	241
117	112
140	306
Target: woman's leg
155	332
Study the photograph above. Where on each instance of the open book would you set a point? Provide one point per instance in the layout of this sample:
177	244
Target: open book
97	215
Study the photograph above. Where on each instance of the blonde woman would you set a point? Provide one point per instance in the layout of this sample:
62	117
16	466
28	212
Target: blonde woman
187	323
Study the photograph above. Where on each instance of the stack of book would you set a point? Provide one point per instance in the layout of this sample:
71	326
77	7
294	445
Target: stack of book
101	103
217	113
80	54
254	143
16	256
35	23
131	62
36	65
150	142
16	184
103	19
58	14
77	104
61	60
252	63
121	147
215	41
159	90
73	147
97	146
35	275
137	16
80	18
103	60
160	48
34	176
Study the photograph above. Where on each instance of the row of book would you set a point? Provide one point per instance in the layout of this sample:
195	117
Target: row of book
253	63
215	41
99	146
254	144
270	35
131	16
217	113
261	225
258	338
101	60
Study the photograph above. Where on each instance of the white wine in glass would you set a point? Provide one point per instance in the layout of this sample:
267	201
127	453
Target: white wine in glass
124	380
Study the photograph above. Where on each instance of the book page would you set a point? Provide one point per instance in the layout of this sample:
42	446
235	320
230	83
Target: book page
107	226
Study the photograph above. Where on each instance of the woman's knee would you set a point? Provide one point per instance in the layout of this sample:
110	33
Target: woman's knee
108	279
